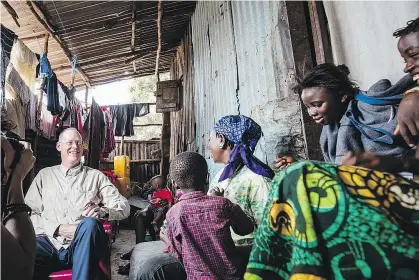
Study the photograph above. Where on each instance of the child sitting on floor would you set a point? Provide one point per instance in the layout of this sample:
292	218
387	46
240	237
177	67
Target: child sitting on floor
198	226
160	201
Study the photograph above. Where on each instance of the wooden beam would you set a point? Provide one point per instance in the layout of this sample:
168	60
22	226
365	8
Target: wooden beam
159	17
51	31
111	23
137	55
32	37
140	57
319	30
133	24
86	93
133	14
11	11
165	128
148	124
123	77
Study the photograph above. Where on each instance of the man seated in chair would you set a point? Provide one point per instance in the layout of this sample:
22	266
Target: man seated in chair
69	202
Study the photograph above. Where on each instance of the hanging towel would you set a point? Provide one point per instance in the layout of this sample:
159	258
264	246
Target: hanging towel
6	43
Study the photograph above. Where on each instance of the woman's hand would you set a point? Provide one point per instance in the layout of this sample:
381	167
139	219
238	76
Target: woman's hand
283	162
216	191
373	161
25	163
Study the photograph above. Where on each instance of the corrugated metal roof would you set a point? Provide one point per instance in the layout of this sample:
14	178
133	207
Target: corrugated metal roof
99	34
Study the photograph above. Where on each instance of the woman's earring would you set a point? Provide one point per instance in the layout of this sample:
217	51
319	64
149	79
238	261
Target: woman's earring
221	146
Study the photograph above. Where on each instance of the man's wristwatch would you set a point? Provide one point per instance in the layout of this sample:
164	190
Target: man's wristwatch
105	212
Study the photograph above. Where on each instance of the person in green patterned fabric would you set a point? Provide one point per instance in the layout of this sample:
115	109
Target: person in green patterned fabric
245	179
325	221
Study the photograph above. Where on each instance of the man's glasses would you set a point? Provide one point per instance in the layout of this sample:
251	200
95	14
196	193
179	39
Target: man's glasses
70	143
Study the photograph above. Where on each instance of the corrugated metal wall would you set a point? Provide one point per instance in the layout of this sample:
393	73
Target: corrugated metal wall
182	137
243	63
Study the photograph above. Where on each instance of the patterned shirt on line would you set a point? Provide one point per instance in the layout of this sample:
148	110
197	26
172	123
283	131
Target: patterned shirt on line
198	230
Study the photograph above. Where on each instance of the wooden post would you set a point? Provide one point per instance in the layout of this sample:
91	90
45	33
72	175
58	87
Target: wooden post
86	93
165	131
122	146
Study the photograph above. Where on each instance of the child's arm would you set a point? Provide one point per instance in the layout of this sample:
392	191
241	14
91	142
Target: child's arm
241	223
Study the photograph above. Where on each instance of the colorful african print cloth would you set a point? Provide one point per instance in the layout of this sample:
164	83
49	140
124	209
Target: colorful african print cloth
324	221
250	191
245	134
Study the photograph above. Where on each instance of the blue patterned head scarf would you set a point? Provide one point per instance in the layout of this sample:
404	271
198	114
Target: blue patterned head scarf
245	134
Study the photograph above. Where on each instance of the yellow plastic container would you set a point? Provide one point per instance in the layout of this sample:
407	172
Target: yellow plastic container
124	186
121	166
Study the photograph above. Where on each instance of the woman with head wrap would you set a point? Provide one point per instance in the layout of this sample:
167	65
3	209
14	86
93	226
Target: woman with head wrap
245	179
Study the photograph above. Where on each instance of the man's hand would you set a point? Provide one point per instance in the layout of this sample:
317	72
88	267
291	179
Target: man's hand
408	119
67	231
93	210
216	192
373	161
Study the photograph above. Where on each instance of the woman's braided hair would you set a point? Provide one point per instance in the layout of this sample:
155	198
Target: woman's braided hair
411	26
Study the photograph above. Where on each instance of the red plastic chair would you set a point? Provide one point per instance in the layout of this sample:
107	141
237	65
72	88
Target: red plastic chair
104	267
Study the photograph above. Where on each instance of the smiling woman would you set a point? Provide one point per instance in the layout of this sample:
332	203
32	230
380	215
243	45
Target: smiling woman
353	120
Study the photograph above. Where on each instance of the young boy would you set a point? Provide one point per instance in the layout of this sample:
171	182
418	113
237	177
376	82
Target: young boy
198	226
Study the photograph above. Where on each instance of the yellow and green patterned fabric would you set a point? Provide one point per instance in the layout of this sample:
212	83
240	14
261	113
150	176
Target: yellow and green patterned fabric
324	221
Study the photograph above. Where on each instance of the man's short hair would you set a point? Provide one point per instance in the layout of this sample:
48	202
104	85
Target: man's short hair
60	138
189	170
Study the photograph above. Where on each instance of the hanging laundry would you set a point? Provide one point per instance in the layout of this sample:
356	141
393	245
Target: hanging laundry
7	38
51	89
48	123
109	142
16	86
61	98
93	135
24	61
141	109
30	121
123	117
15	114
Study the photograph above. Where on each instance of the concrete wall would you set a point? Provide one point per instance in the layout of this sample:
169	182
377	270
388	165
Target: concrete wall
361	35
243	63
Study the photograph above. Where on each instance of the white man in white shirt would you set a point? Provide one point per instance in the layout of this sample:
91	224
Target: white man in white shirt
68	202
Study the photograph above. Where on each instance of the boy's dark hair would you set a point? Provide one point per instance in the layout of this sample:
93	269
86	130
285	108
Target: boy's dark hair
189	170
329	76
411	26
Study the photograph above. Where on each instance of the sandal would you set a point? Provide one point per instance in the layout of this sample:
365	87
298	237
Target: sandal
124	269
126	256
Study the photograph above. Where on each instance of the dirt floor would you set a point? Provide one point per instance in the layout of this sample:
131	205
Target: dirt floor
125	240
